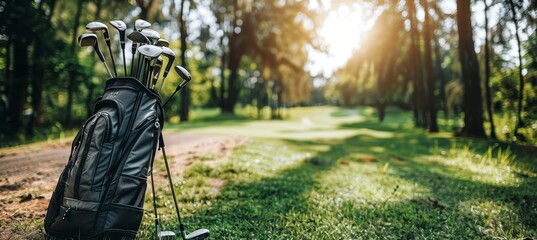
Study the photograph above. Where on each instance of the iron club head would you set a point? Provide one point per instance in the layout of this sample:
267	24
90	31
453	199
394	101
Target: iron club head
138	37
199	234
90	39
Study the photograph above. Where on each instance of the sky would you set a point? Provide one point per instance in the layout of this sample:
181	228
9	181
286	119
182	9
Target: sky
341	32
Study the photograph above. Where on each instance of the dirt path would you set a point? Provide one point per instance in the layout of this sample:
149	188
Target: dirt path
28	174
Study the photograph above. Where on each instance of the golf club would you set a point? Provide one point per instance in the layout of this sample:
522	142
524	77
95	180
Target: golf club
121	27
185	76
198	234
153	35
139	24
99	26
162	43
137	37
156	72
171	57
149	52
90	40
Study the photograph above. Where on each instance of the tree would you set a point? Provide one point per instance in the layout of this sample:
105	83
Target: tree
185	96
19	40
41	51
472	101
430	74
252	30
415	60
487	74
519	121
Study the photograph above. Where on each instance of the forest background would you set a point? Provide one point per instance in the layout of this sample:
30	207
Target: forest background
471	64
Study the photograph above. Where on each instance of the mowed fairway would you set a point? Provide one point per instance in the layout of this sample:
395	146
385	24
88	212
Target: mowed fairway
335	173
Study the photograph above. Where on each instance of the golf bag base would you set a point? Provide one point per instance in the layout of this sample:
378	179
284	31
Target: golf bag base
100	192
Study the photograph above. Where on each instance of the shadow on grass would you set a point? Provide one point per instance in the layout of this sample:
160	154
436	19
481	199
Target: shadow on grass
451	204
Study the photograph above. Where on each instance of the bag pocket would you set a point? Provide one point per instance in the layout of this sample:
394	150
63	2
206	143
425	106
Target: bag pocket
75	218
93	144
126	218
130	191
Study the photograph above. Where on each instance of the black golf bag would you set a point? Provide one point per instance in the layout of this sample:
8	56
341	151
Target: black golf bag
100	193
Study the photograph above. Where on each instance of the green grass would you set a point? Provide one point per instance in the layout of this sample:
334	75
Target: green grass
335	173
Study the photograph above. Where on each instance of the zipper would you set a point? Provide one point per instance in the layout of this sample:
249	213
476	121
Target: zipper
145	122
114	105
75	152
108	132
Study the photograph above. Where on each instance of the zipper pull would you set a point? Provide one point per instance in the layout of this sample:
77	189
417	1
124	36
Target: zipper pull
157	124
66	214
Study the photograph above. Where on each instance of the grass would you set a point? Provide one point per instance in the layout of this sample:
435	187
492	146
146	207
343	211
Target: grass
337	173
334	173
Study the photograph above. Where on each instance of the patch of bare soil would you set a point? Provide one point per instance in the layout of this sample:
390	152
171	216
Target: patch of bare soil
28	174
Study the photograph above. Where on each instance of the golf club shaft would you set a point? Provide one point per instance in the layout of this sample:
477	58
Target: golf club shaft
133	51
124	61
111	56
157	222
107	69
162	82
181	226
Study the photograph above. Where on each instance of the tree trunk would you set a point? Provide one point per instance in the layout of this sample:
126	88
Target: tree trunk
39	63
472	101
185	96
415	61
234	58
431	84
519	121
19	87
144	7
487	75
441	78
21	39
222	73
72	69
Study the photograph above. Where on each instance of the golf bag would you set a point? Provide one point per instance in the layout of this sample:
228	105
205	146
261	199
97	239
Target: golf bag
100	193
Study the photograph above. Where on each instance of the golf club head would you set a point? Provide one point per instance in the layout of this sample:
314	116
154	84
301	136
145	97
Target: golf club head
150	51
140	24
156	70
99	26
167	52
162	43
183	73
87	40
163	235
199	234
138	37
90	40
121	27
153	35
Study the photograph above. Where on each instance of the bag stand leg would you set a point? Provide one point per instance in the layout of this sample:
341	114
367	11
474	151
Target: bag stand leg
181	226
198	234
